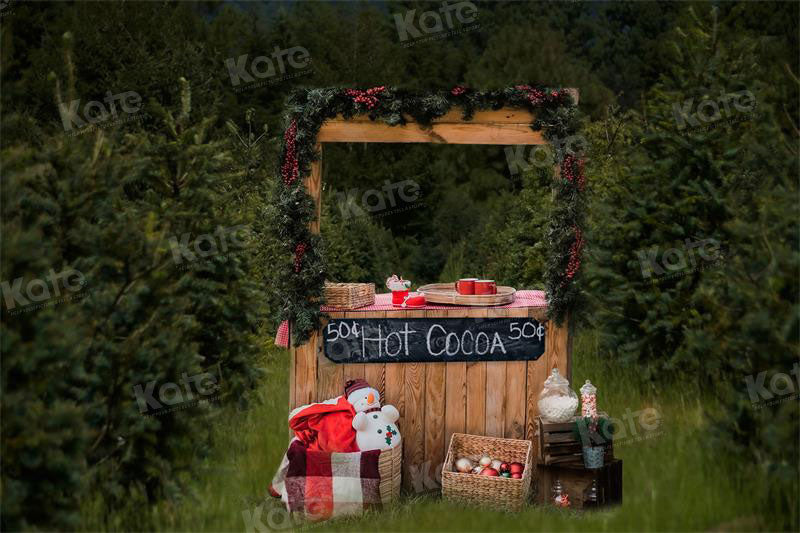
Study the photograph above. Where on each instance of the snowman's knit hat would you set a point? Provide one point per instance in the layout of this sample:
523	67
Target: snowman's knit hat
354	385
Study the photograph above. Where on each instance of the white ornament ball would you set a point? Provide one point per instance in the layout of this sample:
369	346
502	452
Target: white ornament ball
477	469
485	461
496	464
464	465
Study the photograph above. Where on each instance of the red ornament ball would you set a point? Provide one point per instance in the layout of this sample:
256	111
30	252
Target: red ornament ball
489	472
516	475
504	468
516	468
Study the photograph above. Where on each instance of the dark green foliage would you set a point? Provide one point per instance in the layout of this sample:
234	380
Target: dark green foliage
512	246
108	205
720	319
252	189
701	194
44	432
356	247
114	208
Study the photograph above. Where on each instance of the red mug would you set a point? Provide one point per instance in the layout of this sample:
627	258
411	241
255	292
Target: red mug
466	285
415	300
485	286
398	297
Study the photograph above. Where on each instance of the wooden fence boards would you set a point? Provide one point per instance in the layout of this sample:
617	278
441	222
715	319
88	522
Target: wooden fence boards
515	397
435	381
476	389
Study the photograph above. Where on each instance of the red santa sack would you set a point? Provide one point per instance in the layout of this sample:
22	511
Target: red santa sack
325	426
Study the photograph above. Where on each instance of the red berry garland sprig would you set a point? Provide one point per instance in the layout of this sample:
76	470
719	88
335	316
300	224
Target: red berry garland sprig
575	254
534	96
537	96
369	97
299	252
290	168
572	170
458	90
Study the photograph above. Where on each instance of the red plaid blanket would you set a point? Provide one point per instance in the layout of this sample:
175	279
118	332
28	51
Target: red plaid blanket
321	485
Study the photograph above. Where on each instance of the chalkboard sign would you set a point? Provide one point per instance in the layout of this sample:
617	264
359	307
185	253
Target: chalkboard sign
432	340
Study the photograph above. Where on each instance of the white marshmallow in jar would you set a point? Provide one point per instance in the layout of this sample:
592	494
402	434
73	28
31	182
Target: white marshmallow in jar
557	401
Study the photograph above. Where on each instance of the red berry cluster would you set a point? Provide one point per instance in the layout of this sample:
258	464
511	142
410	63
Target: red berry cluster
368	97
458	91
537	97
568	170
290	168
575	254
299	252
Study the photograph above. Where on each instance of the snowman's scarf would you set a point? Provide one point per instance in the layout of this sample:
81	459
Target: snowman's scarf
320	485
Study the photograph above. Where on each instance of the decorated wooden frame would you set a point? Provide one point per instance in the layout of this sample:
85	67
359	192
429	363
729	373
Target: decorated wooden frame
494	398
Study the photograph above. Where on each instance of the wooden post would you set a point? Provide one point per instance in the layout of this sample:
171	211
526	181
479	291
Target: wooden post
304	358
435	445
314	185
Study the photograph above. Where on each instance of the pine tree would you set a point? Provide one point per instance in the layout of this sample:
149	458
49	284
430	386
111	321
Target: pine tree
147	221
725	178
45	432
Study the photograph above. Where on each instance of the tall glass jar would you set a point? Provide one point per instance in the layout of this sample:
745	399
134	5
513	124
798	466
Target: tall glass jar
589	400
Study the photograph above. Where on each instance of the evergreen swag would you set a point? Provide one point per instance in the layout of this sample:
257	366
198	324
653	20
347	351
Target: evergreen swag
556	117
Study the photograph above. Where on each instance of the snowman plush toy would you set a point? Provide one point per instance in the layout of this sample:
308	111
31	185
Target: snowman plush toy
375	425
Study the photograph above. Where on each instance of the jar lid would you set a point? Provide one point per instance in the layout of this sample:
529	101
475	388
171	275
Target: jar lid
556	380
588	388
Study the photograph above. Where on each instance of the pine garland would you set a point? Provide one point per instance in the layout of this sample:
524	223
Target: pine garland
556	116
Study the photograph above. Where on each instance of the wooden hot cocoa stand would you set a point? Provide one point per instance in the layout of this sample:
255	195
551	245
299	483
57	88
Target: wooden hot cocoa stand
426	361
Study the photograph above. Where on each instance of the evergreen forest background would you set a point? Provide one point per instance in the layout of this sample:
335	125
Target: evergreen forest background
196	163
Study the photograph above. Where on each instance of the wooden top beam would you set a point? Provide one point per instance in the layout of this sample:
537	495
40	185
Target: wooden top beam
502	126
500	116
444	133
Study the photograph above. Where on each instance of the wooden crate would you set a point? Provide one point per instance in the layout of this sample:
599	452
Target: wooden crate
559	445
578	481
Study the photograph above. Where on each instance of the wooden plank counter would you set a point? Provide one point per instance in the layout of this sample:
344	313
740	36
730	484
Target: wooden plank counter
437	399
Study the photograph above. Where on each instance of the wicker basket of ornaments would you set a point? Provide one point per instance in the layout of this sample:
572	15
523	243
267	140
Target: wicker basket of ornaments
488	471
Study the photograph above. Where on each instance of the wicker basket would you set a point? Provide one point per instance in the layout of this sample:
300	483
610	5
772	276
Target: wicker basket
390	466
497	492
349	295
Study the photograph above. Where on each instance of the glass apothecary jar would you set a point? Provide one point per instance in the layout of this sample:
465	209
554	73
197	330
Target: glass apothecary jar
557	401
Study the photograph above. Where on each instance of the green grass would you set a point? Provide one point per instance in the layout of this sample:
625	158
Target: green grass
672	480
